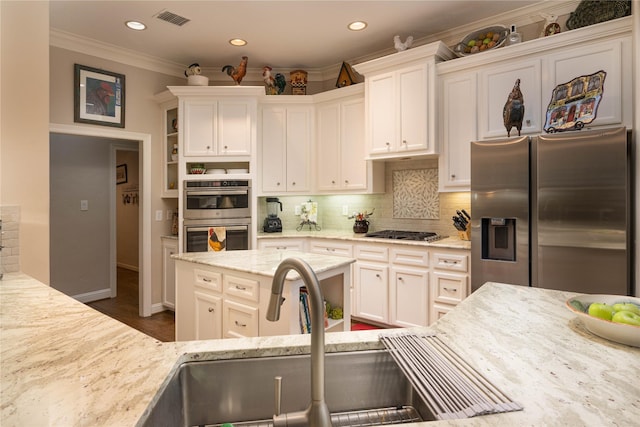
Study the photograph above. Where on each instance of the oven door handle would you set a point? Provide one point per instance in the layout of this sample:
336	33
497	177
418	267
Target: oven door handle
218	192
228	228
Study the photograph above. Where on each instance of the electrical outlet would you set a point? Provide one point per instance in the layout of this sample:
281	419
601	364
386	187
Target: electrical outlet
297	210
345	210
84	205
159	215
169	214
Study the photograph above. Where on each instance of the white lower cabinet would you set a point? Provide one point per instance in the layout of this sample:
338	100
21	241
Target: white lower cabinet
169	247
240	320
372	288
449	280
409	287
208	316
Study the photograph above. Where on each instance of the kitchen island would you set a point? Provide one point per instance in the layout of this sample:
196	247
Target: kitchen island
225	294
65	364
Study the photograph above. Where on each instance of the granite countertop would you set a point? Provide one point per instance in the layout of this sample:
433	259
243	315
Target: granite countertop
451	242
65	364
263	261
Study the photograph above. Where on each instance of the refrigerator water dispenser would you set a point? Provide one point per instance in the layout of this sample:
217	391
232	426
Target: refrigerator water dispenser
499	239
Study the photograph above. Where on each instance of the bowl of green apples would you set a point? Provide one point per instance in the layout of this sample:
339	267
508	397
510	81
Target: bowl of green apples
613	317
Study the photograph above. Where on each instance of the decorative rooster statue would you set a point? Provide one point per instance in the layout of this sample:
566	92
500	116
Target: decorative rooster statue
274	86
513	111
238	73
400	46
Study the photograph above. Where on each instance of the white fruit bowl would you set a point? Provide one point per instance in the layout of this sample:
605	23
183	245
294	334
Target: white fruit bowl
619	332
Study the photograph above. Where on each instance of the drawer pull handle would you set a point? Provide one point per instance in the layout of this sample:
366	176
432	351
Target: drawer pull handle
242	325
450	289
446	261
206	279
241	288
211	309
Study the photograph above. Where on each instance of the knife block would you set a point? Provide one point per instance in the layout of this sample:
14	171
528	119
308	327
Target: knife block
465	235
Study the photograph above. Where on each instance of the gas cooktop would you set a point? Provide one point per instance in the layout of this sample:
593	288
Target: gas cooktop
425	236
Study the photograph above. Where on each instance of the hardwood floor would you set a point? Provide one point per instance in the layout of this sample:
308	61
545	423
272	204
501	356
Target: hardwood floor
124	308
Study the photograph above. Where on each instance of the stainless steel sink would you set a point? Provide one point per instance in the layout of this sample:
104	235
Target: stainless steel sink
358	385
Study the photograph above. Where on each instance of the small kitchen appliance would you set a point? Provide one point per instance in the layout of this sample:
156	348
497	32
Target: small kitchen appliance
273	224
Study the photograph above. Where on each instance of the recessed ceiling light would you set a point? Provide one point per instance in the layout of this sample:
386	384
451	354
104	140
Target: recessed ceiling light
135	25
357	26
237	42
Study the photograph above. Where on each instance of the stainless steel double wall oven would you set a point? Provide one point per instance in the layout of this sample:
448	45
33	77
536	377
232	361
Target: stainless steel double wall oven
219	204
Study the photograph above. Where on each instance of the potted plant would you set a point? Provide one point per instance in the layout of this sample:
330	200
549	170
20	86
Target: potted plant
361	224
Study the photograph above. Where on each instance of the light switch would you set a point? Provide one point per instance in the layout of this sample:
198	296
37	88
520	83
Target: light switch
297	209
345	210
84	205
159	215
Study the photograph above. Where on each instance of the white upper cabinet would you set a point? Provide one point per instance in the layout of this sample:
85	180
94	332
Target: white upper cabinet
286	132
458	127
473	90
340	144
401	101
217	128
611	56
496	83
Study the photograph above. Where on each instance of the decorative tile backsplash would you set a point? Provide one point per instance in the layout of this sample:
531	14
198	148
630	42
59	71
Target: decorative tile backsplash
415	194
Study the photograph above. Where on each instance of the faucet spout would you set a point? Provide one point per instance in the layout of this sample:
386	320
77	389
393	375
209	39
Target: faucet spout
317	414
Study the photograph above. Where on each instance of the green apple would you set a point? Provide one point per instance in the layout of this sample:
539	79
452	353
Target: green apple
601	310
627	306
628	317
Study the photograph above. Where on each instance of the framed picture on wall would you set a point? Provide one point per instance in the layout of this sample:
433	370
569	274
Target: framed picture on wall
99	97
121	174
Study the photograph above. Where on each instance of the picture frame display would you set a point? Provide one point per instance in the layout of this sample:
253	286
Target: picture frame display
99	96
121	174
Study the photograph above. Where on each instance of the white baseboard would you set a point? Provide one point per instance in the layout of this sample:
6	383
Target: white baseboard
128	267
157	308
93	296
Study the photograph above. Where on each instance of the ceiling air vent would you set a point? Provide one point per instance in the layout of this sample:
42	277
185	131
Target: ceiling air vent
172	18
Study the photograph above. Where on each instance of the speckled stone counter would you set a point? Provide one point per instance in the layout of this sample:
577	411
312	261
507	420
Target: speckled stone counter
263	262
451	242
65	364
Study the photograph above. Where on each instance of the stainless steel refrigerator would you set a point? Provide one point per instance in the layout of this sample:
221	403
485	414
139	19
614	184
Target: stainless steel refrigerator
553	211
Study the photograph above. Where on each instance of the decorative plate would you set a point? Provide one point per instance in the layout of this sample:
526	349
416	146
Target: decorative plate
492	37
574	104
591	12
619	332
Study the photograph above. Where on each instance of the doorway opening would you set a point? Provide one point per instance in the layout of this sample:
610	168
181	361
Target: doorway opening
73	229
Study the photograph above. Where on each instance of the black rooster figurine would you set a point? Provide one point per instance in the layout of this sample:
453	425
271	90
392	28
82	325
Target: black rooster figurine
513	111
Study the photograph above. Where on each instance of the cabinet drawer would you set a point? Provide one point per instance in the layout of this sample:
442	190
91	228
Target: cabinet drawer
241	288
439	310
208	280
281	244
416	258
372	253
240	320
331	248
449	288
454	262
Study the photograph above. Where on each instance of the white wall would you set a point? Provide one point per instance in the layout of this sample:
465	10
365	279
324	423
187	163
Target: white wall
24	135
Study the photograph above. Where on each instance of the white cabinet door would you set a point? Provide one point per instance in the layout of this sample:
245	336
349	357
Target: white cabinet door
286	140
234	128
341	163
413	108
372	288
169	247
208	316
495	85
199	124
329	145
608	56
298	148
458	127
383	113
409	297
353	166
